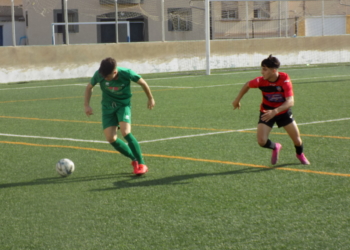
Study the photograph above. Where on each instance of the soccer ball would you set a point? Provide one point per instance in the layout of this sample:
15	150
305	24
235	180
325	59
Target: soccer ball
65	167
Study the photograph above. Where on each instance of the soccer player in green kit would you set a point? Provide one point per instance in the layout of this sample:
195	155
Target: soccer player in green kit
116	108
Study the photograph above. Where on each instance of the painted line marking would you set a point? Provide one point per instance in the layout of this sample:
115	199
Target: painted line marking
45	99
168	88
183	87
308	135
53	138
51	120
197	135
184	158
72	97
161	126
138	125
251	129
156	126
46	86
178	137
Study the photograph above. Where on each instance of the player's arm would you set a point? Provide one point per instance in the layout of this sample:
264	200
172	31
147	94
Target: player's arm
236	103
87	97
148	92
269	114
286	105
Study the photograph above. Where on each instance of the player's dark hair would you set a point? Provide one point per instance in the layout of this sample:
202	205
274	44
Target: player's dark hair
271	62
107	66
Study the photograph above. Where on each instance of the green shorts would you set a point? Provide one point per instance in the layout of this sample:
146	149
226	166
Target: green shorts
112	117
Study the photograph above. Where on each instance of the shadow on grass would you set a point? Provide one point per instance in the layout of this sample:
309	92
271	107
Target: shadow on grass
178	179
283	165
60	180
171	180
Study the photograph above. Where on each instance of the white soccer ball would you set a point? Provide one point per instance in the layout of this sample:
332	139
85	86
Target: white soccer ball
65	167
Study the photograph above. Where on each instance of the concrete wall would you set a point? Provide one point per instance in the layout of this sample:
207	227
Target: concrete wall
27	63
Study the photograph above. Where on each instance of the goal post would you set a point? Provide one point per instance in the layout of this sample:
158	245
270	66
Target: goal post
207	37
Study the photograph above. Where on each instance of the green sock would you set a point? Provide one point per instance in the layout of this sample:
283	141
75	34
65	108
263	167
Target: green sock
135	147
123	148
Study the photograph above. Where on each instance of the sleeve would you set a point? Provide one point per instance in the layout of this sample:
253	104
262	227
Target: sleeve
288	87
254	83
95	79
133	76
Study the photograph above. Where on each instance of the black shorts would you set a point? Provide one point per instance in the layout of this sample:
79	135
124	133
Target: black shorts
281	120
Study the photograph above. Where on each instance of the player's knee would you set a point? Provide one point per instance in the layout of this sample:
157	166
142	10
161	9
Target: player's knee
261	142
111	139
298	142
125	133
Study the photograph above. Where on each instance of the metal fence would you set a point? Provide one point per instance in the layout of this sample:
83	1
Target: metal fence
46	22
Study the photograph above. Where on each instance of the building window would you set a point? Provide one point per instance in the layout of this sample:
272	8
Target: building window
72	18
112	2
262	9
180	19
229	10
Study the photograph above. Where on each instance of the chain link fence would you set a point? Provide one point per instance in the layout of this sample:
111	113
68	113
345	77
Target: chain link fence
44	22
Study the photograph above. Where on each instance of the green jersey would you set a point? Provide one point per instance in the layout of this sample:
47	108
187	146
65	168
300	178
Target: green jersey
116	92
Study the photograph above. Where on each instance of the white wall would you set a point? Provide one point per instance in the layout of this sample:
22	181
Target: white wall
7	32
333	25
33	63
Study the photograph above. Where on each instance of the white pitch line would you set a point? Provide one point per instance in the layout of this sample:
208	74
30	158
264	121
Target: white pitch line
165	139
198	135
52	138
238	130
36	87
334	120
230	73
174	87
319	77
210	86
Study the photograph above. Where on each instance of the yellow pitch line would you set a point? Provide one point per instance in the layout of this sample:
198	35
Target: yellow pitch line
71	97
51	120
183	158
176	127
140	125
44	99
324	136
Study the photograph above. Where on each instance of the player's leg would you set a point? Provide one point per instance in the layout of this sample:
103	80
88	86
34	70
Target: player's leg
110	125
293	132
124	116
125	129
262	136
263	132
118	144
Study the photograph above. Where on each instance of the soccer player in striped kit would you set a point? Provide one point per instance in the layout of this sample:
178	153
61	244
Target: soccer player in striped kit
277	91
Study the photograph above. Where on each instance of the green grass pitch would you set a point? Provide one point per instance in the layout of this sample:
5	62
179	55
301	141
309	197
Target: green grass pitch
209	185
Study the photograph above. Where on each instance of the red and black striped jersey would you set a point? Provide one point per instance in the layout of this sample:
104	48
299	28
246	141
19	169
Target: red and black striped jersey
274	93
